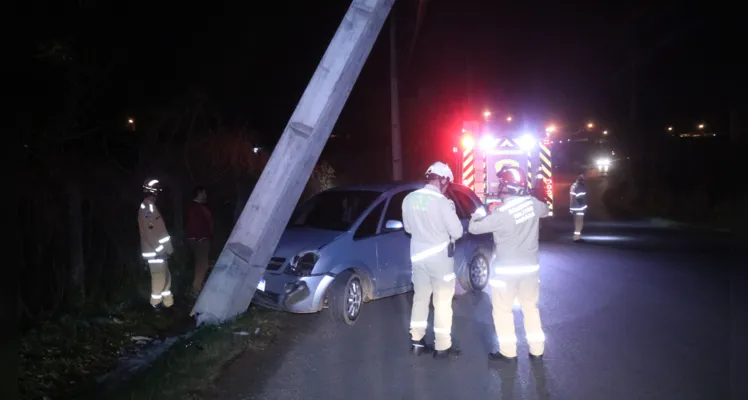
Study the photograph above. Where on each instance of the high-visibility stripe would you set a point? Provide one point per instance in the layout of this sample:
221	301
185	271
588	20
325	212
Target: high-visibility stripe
468	168
429	252
545	159
529	173
545	150
468	160
545	171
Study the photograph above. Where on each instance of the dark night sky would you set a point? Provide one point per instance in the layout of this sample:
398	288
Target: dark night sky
555	61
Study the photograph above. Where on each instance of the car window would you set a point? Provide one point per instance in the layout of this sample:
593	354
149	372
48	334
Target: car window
395	208
464	202
370	224
334	210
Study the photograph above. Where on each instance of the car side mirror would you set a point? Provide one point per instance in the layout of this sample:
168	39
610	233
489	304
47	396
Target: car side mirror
393	225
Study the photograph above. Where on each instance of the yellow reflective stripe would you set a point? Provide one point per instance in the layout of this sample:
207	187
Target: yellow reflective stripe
545	159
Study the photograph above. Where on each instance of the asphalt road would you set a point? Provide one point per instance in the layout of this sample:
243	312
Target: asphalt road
636	312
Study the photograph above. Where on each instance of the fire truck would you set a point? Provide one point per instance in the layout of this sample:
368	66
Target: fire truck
484	149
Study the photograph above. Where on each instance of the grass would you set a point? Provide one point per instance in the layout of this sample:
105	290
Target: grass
191	366
63	355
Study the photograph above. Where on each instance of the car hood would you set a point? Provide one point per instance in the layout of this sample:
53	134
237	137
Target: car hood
295	240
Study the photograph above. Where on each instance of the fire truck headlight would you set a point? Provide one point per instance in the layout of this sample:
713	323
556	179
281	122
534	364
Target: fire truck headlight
526	142
487	142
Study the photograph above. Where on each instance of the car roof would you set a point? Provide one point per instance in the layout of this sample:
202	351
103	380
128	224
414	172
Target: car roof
381	187
389	186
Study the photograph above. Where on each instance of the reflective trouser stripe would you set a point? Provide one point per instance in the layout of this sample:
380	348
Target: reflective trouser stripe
504	295
430	281
160	283
422	255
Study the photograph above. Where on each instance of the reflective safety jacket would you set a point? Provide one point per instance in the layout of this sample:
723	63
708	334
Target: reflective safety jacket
155	241
515	228
432	221
578	198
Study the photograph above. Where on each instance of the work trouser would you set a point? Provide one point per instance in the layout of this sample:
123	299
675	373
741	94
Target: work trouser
200	252
435	277
578	224
524	288
160	282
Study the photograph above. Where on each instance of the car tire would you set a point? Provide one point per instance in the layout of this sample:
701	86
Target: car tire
346	298
474	277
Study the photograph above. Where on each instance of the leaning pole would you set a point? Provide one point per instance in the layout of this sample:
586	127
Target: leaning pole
234	279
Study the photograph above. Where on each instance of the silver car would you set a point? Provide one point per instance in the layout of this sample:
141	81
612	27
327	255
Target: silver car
346	246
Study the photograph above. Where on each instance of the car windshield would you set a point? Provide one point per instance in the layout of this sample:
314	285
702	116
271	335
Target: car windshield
333	210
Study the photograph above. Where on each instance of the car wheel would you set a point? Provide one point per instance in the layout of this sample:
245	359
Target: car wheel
346	298
475	277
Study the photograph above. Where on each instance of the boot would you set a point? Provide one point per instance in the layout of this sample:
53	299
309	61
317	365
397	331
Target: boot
452	352
497	356
419	347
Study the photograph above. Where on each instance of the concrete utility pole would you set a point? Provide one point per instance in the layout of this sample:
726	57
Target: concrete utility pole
397	152
233	282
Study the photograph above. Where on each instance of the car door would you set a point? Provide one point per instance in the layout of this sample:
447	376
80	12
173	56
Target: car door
364	242
393	248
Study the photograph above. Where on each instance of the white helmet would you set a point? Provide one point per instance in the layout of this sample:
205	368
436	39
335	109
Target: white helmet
151	186
440	169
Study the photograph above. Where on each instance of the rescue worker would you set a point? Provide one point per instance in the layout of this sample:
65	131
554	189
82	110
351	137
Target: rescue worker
431	220
578	205
515	263
155	244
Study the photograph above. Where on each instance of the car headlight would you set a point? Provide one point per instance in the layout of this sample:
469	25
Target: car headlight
303	263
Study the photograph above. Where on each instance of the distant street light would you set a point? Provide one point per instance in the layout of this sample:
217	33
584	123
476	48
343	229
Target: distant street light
605	132
256	150
550	129
509	119
590	125
701	126
130	121
486	114
669	128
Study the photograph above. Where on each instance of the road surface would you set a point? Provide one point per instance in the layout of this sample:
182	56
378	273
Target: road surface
637	312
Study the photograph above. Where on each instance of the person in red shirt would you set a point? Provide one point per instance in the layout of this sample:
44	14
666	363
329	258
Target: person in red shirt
199	232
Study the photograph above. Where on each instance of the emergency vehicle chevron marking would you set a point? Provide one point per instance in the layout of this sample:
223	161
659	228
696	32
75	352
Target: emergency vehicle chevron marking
545	159
468	168
546	150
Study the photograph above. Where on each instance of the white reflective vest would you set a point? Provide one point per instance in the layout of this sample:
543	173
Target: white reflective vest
432	221
515	229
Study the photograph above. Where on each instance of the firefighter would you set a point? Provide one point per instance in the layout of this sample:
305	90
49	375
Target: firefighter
431	220
578	205
155	244
515	263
